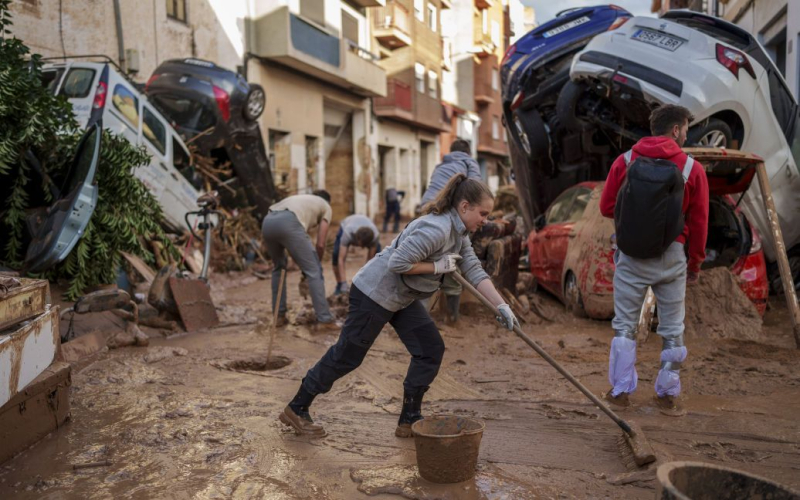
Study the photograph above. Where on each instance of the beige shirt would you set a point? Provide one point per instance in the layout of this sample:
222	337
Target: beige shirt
310	209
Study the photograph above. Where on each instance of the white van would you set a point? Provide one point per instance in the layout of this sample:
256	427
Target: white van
97	90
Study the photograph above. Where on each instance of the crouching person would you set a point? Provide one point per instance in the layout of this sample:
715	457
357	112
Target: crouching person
658	197
388	290
355	230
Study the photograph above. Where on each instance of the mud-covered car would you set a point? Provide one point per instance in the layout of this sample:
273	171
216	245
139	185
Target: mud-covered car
571	248
219	110
546	156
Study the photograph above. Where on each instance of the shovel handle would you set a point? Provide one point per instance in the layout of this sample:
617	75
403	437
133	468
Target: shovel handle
541	352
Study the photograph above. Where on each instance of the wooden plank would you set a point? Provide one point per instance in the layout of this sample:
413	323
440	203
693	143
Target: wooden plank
141	267
195	306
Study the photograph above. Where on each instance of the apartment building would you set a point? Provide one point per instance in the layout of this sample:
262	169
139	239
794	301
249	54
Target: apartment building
309	55
407	38
478	32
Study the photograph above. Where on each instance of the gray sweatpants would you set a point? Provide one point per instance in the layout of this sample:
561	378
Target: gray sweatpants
666	275
282	231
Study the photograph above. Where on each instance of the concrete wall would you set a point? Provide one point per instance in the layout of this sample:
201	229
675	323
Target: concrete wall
213	30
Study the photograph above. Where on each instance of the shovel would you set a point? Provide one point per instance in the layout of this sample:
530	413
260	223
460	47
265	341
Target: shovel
642	451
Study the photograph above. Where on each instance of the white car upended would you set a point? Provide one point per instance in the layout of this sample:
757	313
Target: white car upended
724	77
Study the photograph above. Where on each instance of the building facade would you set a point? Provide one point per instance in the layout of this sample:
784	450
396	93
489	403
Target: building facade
308	55
407	37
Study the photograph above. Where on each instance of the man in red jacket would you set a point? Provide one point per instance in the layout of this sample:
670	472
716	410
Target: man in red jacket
668	274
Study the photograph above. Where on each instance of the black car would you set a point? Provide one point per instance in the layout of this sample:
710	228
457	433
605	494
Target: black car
218	110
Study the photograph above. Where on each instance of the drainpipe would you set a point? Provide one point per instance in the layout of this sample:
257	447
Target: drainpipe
120	40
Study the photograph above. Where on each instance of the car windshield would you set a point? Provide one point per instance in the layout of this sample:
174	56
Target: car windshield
78	83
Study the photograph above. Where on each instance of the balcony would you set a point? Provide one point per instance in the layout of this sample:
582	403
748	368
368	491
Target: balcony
290	40
484	46
486	91
398	102
370	3
403	103
391	26
483	4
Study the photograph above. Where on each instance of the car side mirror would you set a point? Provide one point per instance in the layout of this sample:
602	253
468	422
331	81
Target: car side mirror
538	222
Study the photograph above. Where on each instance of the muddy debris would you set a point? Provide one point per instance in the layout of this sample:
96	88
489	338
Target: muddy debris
132	336
716	307
156	354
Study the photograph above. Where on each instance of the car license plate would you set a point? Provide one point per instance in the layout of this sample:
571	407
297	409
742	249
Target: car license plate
565	27
660	40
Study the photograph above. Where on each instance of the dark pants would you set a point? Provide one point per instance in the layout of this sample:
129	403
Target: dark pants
392	210
365	319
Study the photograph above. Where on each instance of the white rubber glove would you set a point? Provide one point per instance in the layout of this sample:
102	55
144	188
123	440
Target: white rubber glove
446	264
506	317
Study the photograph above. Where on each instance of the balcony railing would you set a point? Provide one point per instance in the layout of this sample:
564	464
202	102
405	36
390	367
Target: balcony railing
392	25
398	96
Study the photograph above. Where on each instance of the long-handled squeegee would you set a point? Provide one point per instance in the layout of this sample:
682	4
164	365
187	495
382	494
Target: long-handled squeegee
642	451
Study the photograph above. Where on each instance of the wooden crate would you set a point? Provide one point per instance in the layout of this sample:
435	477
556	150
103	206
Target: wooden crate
24	302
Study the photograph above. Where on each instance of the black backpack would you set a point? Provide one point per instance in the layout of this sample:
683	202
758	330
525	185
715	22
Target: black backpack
649	211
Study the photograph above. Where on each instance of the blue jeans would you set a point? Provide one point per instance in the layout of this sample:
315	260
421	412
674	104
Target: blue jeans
365	320
392	210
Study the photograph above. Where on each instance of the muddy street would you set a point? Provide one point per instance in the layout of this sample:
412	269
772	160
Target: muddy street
195	415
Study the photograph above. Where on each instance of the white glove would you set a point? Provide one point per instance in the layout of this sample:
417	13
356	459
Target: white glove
506	317
446	264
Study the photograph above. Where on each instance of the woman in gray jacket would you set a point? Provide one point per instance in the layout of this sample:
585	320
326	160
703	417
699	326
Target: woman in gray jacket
388	289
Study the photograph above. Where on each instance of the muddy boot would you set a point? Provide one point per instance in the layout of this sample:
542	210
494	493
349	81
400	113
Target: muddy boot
620	399
668	405
297	416
452	305
411	412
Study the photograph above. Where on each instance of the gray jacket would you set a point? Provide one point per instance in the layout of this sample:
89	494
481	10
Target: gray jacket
453	163
424	240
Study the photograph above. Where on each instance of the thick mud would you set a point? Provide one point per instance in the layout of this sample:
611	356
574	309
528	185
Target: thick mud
173	420
716	307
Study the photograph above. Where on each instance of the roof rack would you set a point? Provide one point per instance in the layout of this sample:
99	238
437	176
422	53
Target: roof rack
95	56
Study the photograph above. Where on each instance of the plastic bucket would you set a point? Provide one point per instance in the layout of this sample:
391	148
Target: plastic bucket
701	481
447	447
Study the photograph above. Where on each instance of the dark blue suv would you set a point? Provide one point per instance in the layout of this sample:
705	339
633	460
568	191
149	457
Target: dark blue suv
547	156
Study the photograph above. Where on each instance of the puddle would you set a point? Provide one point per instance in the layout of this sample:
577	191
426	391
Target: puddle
490	483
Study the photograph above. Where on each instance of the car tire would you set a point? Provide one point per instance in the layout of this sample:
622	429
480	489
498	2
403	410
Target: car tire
715	133
255	102
531	134
572	296
567	105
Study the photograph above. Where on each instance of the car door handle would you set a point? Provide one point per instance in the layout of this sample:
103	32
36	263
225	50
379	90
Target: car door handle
163	166
174	175
572	235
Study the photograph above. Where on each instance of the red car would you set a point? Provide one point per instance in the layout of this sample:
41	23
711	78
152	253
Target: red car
572	245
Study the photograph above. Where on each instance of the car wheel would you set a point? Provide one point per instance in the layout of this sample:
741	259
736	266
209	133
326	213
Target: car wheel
567	106
714	134
255	102
572	296
531	134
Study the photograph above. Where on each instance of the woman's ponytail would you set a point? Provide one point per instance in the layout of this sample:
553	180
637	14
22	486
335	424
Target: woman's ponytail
458	188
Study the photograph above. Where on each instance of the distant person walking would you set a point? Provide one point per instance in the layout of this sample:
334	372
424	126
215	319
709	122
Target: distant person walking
393	199
458	161
354	230
286	227
658	197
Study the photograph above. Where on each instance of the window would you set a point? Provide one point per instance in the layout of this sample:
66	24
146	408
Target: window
505	135
419	12
349	27
432	21
127	104
432	80
183	162
154	130
313	10
51	78
176	9
419	77
495	33
78	83
485	21
559	210
495	79
495	128
579	205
